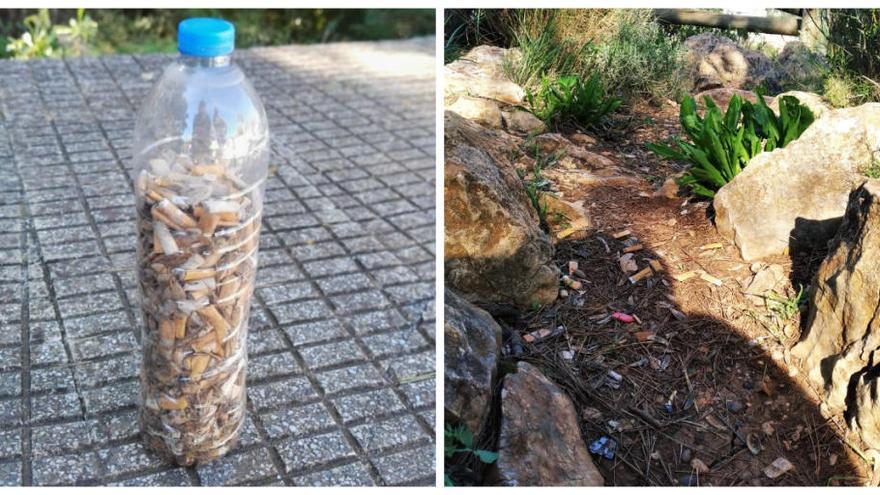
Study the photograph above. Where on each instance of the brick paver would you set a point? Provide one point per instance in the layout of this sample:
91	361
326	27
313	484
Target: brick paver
341	371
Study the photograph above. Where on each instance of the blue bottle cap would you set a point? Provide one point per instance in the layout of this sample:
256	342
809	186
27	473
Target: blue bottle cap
205	37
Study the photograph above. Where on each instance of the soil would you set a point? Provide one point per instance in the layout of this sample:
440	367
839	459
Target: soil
705	373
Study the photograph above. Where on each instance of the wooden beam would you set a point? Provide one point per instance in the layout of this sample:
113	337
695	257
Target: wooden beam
784	24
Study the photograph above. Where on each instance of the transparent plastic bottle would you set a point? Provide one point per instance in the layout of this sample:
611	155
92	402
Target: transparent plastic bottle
201	155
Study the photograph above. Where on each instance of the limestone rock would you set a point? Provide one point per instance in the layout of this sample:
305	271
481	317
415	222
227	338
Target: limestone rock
814	102
715	61
865	414
540	443
770	279
799	67
794	196
722	97
472	342
480	110
843	326
523	122
480	73
565	217
495	250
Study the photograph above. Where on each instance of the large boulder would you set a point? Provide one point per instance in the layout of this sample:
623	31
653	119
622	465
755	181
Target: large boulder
471	344
715	61
843	326
863	410
722	97
523	122
793	197
480	73
480	110
540	443
495	250
799	67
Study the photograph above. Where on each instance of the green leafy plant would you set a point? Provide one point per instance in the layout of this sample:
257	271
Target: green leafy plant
721	144
78	35
459	440
37	41
785	307
570	101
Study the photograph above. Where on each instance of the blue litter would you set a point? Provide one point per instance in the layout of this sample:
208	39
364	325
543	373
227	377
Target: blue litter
604	446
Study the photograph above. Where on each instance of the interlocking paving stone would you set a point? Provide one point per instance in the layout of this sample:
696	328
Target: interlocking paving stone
346	266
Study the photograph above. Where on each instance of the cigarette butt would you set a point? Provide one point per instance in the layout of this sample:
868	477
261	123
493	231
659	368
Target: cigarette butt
154	196
208	223
572	267
215	169
228	216
197	274
577	225
646	272
633	248
197	365
205	343
166	240
174	213
165	219
714	245
655	265
198	211
622	233
166	333
681	277
528	338
221	327
221	206
570	282
157	246
173	404
709	278
228	289
179	325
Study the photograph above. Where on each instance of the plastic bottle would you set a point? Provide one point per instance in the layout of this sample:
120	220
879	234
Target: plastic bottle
201	155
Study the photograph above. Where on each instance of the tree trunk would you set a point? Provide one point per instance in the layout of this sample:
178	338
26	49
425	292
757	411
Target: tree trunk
785	24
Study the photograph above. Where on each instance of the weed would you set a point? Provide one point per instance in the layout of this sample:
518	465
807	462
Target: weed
721	145
785	307
459	440
873	171
570	101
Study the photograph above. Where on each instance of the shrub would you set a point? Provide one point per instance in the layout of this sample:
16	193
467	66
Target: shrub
570	101
722	144
853	36
627	48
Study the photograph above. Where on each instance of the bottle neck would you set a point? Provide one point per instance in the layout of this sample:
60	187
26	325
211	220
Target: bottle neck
193	61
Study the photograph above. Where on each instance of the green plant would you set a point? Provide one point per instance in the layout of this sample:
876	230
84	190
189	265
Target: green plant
722	144
78	35
459	440
570	101
541	52
785	307
37	41
873	171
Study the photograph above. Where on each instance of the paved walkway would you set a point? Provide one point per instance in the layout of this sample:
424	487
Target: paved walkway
341	371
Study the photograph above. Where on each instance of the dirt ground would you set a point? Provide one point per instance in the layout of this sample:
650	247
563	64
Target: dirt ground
707	392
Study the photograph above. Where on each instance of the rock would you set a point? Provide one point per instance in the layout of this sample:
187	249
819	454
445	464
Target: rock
582	139
481	73
472	343
734	405
554	143
480	110
864	410
495	251
814	102
842	328
539	441
563	217
628	263
523	122
669	189
722	97
771	278
715	61
686	455
797	66
774	203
